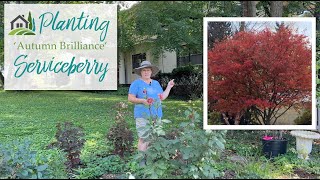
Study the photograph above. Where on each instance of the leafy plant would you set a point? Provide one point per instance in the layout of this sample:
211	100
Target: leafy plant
256	170
188	152
101	165
120	134
70	140
214	118
55	159
267	72
188	81
18	161
304	119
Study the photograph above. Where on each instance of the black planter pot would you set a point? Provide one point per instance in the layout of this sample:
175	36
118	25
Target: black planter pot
273	148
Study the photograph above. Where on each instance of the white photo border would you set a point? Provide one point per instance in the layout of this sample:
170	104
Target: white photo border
313	125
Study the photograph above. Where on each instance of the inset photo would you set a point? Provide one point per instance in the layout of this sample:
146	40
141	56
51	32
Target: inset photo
259	73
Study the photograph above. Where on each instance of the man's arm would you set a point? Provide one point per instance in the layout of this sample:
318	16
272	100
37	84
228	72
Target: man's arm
132	98
165	94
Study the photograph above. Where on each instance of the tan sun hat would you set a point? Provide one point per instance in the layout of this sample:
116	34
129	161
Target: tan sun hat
146	64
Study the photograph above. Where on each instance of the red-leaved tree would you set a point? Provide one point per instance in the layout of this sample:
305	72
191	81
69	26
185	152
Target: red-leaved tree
266	72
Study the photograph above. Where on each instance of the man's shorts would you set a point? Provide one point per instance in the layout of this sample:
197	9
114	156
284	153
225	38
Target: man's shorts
141	122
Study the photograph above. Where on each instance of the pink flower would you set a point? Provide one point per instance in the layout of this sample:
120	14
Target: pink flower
160	96
267	138
150	101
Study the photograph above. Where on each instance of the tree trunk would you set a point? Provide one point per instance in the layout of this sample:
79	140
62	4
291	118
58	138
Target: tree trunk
276	8
237	119
242	26
248	8
317	15
225	118
1	79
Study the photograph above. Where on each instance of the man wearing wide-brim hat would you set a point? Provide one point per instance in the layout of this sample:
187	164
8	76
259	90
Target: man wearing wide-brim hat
147	95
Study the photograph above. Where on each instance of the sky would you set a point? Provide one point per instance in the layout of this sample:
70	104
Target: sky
303	27
126	4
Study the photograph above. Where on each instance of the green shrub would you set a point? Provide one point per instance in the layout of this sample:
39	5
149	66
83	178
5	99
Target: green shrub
189	86
214	118
188	81
304	119
99	166
55	160
163	78
257	170
186	70
18	161
188	152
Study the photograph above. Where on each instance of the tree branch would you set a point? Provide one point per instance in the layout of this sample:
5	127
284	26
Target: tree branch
276	118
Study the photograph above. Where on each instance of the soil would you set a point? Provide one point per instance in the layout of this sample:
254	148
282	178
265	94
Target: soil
305	175
109	176
229	174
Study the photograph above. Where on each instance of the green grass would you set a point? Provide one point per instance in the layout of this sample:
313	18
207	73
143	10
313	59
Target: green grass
34	114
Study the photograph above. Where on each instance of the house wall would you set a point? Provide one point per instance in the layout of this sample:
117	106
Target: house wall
122	78
166	63
125	68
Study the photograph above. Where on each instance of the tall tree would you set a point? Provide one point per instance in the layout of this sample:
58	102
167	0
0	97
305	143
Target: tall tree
30	21
248	8
267	72
2	41
217	31
169	25
172	26
276	8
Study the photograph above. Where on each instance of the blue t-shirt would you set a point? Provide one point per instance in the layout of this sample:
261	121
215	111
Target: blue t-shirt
142	90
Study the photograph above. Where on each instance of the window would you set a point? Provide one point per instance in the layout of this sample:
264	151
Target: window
19	25
137	59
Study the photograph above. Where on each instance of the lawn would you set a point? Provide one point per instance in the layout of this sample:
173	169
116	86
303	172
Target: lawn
34	114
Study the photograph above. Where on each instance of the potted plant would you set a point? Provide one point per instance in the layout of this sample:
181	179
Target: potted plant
304	140
274	145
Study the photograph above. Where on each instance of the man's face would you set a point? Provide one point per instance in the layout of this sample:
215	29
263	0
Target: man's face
146	72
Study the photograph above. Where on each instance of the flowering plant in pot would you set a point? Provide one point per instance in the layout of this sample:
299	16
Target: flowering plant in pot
274	145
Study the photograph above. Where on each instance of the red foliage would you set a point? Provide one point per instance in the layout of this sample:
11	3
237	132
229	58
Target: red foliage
266	69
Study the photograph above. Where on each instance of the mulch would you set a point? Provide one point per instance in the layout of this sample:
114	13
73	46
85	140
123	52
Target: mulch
305	175
109	176
229	174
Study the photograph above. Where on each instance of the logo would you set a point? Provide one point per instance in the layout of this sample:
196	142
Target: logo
21	26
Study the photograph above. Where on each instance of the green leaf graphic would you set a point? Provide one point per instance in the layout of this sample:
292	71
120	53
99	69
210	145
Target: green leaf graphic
21	31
